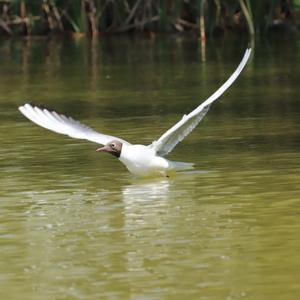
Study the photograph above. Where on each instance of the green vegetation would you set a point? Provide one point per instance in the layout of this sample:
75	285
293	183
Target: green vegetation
40	17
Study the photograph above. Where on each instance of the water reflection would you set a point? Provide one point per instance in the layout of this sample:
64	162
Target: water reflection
142	191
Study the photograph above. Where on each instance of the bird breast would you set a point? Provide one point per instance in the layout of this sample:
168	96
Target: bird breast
139	154
140	159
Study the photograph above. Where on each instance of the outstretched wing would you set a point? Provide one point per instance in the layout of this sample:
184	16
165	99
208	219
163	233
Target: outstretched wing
180	130
64	125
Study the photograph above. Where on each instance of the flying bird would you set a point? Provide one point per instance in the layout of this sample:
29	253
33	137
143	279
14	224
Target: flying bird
140	160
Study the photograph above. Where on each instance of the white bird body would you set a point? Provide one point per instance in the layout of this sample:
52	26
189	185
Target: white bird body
142	160
139	159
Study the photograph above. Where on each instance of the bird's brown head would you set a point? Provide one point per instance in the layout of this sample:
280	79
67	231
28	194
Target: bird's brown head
113	147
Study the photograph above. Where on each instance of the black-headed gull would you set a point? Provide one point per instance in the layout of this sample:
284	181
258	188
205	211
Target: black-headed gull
139	159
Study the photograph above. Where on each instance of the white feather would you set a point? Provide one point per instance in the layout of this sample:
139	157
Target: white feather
64	125
180	130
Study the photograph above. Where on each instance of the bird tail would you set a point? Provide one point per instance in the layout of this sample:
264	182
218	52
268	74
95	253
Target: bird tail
180	166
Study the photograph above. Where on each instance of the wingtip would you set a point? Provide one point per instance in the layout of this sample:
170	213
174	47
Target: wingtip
26	105
248	51
22	107
31	105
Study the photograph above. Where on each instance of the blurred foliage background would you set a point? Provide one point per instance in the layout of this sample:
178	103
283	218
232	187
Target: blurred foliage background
205	17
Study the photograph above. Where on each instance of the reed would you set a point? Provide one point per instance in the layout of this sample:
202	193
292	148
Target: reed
29	17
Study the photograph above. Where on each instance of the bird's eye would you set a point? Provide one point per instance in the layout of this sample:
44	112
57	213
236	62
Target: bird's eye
113	145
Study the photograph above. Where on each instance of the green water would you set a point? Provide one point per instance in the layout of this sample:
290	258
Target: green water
76	225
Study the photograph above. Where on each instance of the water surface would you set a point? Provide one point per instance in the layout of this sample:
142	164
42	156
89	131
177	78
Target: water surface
76	225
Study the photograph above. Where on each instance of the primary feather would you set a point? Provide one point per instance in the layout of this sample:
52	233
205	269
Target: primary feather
180	130
65	125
